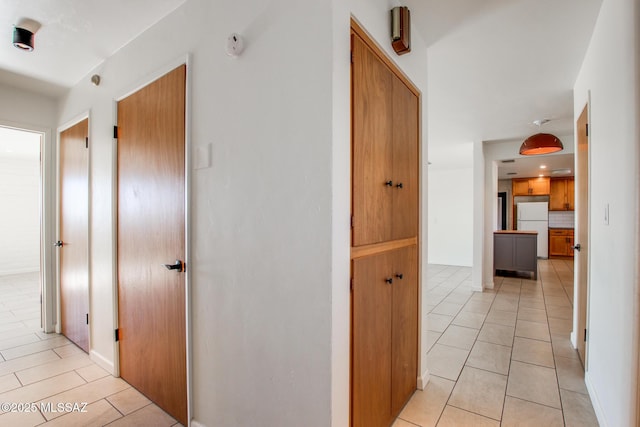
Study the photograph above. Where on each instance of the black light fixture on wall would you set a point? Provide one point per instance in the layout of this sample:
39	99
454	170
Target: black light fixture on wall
23	39
541	143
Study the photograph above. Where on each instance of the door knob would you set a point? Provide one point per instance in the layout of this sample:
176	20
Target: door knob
178	266
58	244
577	247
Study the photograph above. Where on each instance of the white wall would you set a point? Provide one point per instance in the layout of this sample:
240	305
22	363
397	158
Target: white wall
451	217
20	215
270	219
610	74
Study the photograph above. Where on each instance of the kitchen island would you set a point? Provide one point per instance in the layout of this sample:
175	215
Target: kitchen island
515	250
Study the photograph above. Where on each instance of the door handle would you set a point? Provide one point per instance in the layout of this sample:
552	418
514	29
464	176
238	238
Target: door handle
178	266
577	247
58	244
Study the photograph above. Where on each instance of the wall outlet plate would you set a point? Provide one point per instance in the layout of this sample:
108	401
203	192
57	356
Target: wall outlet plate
235	45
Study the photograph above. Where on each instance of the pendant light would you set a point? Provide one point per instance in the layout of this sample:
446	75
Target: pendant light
541	143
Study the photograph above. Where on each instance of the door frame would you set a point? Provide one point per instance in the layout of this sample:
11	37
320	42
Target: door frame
48	215
184	59
68	124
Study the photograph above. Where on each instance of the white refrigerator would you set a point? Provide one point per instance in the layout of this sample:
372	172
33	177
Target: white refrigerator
534	216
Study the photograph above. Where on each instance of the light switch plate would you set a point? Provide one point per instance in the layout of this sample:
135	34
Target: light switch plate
202	158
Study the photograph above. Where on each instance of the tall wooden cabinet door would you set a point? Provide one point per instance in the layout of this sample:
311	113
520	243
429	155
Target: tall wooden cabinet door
371	335
74	234
372	183
571	194
405	161
404	335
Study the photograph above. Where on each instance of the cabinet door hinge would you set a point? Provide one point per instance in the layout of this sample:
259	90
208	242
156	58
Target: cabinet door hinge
351	221
115	132
87	318
585	334
351	284
86	142
586	128
352	57
117	334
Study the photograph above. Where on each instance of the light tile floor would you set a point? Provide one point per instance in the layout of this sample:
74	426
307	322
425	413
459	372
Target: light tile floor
42	369
501	357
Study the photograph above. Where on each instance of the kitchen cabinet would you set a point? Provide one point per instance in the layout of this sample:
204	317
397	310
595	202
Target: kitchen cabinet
516	251
561	242
530	186
385	152
562	197
385	335
385	246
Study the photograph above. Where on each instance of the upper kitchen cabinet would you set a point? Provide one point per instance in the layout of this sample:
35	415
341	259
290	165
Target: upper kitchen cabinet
385	152
531	186
562	194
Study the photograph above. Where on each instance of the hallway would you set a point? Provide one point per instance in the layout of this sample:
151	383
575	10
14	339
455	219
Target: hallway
501	357
42	369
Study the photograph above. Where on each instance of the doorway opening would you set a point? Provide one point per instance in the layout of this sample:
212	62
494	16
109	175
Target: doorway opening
21	266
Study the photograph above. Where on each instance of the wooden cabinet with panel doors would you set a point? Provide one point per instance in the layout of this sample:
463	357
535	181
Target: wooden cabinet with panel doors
530	186
385	247
562	197
561	242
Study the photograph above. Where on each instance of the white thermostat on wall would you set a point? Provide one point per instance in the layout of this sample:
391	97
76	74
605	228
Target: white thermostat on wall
235	45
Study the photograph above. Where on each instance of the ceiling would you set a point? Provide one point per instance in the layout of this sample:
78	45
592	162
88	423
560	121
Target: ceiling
74	37
494	65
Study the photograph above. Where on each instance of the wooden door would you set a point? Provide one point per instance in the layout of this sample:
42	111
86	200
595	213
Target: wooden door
405	161
372	180
151	232
371	335
74	228
404	335
557	196
581	257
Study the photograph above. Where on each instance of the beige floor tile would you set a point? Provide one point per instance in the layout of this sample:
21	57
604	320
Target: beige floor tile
445	361
570	375
128	400
528	302
497	334
68	350
562	347
91	372
459	297
505	304
455	417
533	330
53	368
533	351
560	326
490	357
558	301
487	296
532	315
520	413
21	419
458	336
43	389
35	347
425	407
438	322
578	410
479	307
560	312
150	416
469	319
506	318
97	414
87	393
402	423
533	383
480	392
447	308
26	362
18	341
18	330
9	382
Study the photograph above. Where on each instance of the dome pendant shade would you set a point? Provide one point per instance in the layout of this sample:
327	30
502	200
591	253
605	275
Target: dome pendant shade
23	39
541	143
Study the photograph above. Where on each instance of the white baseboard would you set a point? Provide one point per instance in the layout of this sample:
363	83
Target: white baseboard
597	406
423	380
489	285
194	423
475	288
574	341
103	362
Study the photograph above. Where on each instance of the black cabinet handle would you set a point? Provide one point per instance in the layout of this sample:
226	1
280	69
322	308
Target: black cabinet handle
389	183
389	280
399	185
399	276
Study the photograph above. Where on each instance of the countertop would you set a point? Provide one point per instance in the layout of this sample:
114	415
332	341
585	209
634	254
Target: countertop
560	228
515	232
